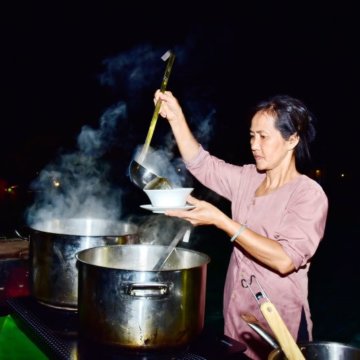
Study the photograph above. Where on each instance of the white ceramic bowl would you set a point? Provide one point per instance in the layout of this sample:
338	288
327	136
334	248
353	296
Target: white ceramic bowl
166	198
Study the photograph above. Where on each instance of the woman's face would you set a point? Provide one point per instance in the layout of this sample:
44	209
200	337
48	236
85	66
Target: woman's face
268	146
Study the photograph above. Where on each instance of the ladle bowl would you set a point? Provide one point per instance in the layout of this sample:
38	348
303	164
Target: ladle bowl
146	179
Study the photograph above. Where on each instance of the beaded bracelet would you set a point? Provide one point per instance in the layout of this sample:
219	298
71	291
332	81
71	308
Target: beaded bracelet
238	233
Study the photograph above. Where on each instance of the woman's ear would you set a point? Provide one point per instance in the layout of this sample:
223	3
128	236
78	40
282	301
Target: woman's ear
293	141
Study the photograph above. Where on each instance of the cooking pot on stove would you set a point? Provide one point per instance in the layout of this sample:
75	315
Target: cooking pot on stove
124	303
315	350
322	350
53	246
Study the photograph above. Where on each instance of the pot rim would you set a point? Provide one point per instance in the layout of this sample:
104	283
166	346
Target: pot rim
45	225
206	258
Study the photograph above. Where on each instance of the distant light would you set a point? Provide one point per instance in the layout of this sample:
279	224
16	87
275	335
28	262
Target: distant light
318	172
56	183
342	175
11	189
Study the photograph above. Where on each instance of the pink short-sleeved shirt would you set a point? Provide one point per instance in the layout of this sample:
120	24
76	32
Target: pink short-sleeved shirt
295	215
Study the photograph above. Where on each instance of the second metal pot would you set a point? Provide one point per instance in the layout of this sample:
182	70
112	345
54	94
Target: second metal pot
322	350
53	246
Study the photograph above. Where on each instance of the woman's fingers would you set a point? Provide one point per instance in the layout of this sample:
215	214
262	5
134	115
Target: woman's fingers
191	200
163	107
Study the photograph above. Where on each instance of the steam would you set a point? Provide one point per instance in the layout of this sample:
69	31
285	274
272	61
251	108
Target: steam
77	184
160	229
95	142
139	71
134	71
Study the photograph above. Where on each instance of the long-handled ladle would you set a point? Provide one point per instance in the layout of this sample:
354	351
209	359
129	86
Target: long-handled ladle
139	174
182	235
170	57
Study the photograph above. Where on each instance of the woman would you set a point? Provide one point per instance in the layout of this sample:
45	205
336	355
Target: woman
278	213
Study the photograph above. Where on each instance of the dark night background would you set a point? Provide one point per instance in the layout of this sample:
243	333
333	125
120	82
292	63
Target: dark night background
53	59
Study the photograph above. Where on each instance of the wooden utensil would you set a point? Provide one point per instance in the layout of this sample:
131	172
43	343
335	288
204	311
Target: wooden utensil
277	325
282	334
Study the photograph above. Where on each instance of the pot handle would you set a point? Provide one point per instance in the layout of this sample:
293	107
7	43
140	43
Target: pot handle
147	289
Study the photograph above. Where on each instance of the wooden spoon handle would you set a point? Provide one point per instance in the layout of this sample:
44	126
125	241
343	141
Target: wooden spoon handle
281	332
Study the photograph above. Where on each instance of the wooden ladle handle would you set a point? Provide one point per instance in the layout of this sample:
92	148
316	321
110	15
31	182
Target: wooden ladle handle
281	332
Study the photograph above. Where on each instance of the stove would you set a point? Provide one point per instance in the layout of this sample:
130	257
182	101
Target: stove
55	331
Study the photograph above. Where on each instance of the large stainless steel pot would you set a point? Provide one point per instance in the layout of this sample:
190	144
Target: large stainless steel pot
53	246
124	303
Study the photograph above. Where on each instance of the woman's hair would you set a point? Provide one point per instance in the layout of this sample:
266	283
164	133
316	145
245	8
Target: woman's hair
292	117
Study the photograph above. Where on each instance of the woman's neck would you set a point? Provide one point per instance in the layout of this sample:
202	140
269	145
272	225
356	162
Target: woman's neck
276	178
